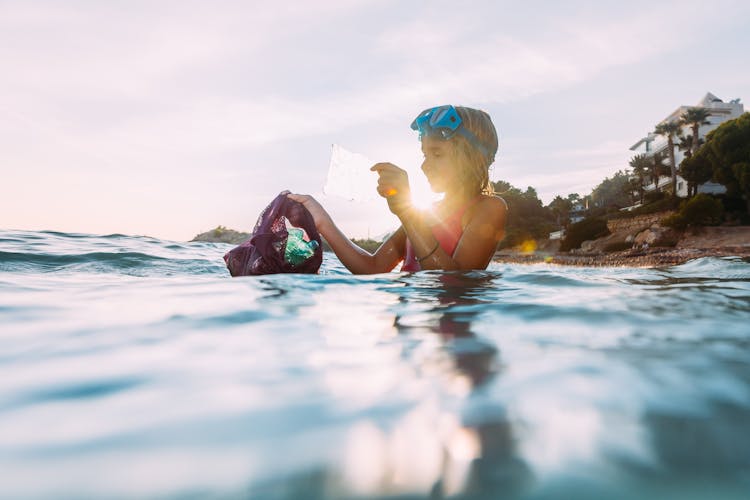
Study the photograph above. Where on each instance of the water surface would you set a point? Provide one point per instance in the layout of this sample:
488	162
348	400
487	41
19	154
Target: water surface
135	367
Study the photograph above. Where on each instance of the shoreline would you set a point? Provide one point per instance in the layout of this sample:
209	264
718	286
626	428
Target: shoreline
652	257
695	243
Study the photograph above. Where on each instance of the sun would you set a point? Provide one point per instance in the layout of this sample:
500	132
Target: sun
421	195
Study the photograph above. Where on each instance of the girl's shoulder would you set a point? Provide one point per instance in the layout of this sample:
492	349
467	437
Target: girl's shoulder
487	208
492	202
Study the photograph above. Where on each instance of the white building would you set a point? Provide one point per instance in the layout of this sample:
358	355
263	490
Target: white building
577	213
720	112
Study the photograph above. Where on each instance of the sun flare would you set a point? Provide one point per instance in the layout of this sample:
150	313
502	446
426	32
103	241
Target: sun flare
422	196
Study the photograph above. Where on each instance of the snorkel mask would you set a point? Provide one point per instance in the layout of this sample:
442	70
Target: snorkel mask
445	122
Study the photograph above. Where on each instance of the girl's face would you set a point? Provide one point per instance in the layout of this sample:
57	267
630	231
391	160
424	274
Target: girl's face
440	165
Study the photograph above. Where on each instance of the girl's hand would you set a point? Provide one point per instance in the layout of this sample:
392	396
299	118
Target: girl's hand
322	219
393	185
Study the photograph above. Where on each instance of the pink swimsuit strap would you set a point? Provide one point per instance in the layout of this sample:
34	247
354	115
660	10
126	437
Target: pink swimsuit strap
447	233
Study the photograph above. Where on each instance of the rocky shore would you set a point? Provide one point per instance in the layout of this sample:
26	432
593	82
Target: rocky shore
653	257
704	242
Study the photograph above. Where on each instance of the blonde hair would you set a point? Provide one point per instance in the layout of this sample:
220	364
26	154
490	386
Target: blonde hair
475	164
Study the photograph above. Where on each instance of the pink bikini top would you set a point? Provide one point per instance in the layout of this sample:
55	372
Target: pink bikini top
448	233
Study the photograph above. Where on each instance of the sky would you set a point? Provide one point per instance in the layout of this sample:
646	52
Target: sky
169	118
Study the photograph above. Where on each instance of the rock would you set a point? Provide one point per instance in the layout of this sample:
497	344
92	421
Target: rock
656	236
645	237
588	246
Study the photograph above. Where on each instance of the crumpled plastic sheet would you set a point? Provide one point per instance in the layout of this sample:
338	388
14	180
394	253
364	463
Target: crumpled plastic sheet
349	176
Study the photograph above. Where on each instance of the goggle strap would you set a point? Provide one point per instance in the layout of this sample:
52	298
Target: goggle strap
473	140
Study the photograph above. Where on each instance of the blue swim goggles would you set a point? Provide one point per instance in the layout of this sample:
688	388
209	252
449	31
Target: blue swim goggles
445	122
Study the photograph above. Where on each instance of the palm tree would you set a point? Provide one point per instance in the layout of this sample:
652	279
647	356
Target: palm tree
686	145
689	145
670	130
641	165
695	117
655	168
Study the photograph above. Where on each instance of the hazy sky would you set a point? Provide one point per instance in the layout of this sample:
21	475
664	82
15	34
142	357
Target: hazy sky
170	118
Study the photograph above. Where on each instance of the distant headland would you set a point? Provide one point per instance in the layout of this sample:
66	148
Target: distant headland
221	234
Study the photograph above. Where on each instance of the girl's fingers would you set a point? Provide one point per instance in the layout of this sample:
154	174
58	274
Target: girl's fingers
390	177
384	167
301	198
387	191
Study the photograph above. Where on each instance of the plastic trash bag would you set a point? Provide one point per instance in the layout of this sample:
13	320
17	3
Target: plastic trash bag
275	248
349	176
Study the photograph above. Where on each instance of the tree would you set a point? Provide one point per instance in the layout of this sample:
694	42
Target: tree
614	192
532	194
501	187
640	165
695	117
687	144
696	170
527	218
728	151
560	208
656	169
670	130
574	198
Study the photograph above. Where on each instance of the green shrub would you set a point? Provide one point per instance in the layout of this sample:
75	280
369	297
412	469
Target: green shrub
675	221
732	204
588	229
653	196
702	210
661	205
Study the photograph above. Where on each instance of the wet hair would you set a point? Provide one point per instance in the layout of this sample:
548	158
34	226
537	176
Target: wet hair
475	165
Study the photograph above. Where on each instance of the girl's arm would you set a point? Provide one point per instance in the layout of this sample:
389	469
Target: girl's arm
480	237
356	259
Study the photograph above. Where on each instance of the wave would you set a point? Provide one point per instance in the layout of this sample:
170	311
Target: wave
52	251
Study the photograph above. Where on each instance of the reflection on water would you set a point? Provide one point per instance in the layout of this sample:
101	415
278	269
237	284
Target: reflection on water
480	456
443	445
134	368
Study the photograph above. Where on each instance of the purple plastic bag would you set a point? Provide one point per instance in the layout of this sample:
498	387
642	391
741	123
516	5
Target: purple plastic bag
263	253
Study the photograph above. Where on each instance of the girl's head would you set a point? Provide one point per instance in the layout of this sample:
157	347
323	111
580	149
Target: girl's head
471	141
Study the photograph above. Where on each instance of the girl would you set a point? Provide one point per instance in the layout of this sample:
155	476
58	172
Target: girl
462	230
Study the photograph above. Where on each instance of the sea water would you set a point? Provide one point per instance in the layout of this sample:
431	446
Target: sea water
132	367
